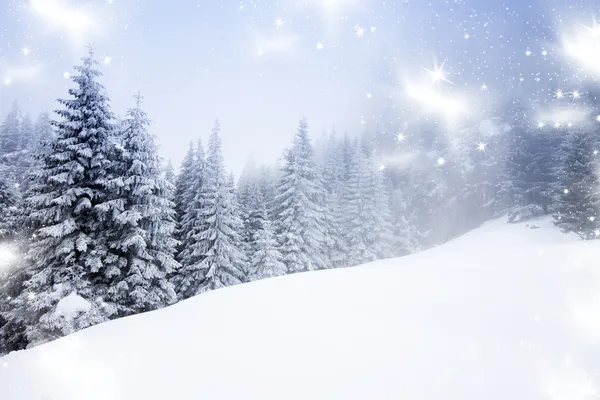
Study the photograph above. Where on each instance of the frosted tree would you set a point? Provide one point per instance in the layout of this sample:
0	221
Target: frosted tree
170	177
267	186
298	210
354	203
407	238
378	227
526	186
10	132
140	230
266	260
192	224
249	200
217	259
334	180
182	189
9	210
579	203
65	253
27	138
43	132
13	156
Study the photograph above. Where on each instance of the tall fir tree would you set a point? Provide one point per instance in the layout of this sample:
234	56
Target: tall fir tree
334	182
142	223
9	210
579	202
216	257
265	259
378	226
182	190
10	132
355	200
191	227
43	133
65	253
298	208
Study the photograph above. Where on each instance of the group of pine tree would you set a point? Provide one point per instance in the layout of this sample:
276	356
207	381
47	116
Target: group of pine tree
99	229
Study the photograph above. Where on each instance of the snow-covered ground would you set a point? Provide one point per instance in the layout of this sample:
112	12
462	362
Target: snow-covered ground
505	312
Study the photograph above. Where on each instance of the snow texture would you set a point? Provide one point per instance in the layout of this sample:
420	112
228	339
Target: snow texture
71	306
504	312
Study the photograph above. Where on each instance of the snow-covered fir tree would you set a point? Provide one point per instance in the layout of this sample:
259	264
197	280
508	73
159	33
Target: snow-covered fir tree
170	176
191	227
217	260
265	258
182	190
355	207
298	209
43	132
578	207
140	228
526	186
66	256
334	180
9	209
10	131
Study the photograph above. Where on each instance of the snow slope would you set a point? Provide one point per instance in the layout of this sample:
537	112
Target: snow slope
504	312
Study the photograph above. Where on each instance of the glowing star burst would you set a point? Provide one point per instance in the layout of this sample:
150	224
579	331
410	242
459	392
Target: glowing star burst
575	95
26	51
400	138
441	161
481	146
566	191
584	46
359	31
544	53
107	60
279	22
559	94
557	125
437	74
467	36
381	167
528	53
540	125
484	87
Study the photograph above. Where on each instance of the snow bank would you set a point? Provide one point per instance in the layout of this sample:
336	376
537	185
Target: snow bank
504	312
71	306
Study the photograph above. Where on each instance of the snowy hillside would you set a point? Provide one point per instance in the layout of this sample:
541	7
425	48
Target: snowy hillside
504	312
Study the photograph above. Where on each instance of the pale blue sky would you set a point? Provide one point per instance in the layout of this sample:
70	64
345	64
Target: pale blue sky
259	66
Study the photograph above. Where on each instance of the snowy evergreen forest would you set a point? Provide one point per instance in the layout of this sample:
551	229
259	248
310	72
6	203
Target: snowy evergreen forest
94	226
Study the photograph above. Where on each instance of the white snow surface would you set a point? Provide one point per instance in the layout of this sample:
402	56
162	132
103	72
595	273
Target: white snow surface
504	312
71	306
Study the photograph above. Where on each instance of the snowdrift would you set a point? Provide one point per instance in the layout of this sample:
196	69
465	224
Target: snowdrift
504	312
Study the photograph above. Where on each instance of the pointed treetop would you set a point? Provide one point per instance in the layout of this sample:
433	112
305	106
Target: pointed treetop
139	99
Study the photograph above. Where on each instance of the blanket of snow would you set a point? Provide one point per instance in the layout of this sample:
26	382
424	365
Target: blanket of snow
69	307
504	312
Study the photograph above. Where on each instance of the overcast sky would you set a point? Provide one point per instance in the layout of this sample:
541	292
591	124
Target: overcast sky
260	66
